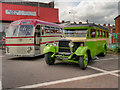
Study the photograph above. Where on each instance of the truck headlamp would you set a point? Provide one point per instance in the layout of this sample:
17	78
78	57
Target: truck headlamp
71	44
81	44
54	44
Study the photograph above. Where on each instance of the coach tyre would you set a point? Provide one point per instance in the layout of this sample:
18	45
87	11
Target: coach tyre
83	62
49	60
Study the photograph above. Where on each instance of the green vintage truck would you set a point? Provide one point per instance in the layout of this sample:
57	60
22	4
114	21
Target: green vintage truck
80	44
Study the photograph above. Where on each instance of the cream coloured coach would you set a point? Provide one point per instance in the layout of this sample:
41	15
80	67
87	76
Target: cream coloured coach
28	37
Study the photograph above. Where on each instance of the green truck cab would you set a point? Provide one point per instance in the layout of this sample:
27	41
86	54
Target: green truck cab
80	44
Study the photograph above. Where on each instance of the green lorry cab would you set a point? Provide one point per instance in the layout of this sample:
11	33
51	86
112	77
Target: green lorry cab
80	44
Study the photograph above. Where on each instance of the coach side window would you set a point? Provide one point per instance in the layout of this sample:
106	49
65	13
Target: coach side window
97	33
92	33
42	30
107	34
47	29
101	33
104	34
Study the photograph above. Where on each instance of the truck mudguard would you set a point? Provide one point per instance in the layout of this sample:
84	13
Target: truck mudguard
50	48
81	50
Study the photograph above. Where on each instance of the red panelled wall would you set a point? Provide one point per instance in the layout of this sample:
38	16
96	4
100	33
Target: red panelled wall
45	14
49	14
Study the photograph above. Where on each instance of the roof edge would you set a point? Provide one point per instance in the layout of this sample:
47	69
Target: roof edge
116	17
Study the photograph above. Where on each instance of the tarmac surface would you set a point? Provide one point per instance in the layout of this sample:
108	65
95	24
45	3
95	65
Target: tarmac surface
35	73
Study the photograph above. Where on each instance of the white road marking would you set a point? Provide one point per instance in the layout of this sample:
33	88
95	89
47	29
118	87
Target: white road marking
106	59
65	80
115	71
104	71
2	56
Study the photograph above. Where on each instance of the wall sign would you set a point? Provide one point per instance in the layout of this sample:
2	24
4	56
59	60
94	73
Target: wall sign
18	12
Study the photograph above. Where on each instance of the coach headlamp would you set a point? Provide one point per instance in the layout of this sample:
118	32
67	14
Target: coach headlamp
7	49
29	49
71	44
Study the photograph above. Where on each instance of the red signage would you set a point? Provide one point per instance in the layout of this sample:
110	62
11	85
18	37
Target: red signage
12	12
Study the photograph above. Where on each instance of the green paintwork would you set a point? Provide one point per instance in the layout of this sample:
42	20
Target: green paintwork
76	27
81	50
50	48
95	45
67	60
85	61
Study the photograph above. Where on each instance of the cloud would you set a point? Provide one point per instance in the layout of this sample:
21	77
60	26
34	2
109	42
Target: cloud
97	11
93	10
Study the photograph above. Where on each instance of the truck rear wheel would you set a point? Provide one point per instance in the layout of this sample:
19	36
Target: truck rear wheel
105	51
83	62
49	60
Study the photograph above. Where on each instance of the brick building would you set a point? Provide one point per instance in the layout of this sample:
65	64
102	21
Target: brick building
117	27
117	24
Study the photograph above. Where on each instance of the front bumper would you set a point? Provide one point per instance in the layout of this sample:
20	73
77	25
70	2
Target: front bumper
65	57
21	55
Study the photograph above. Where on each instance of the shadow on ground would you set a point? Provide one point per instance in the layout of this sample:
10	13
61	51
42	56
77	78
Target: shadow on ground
27	58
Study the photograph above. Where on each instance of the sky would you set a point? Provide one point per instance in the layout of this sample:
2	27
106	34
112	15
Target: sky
95	11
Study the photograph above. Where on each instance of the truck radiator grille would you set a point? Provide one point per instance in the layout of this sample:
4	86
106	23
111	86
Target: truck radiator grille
64	46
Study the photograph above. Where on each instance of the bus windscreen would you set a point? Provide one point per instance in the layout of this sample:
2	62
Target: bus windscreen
26	30
75	33
20	30
12	31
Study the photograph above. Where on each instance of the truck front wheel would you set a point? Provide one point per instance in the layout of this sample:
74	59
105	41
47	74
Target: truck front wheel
83	61
49	60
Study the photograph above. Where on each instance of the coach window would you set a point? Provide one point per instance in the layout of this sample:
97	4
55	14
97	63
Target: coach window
47	29
107	34
88	34
51	29
97	33
42	30
56	30
92	33
101	33
60	30
104	34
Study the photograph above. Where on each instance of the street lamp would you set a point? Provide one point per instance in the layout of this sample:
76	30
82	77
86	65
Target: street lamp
38	10
73	15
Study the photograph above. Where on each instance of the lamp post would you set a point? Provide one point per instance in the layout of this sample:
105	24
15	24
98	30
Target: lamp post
38	10
73	15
